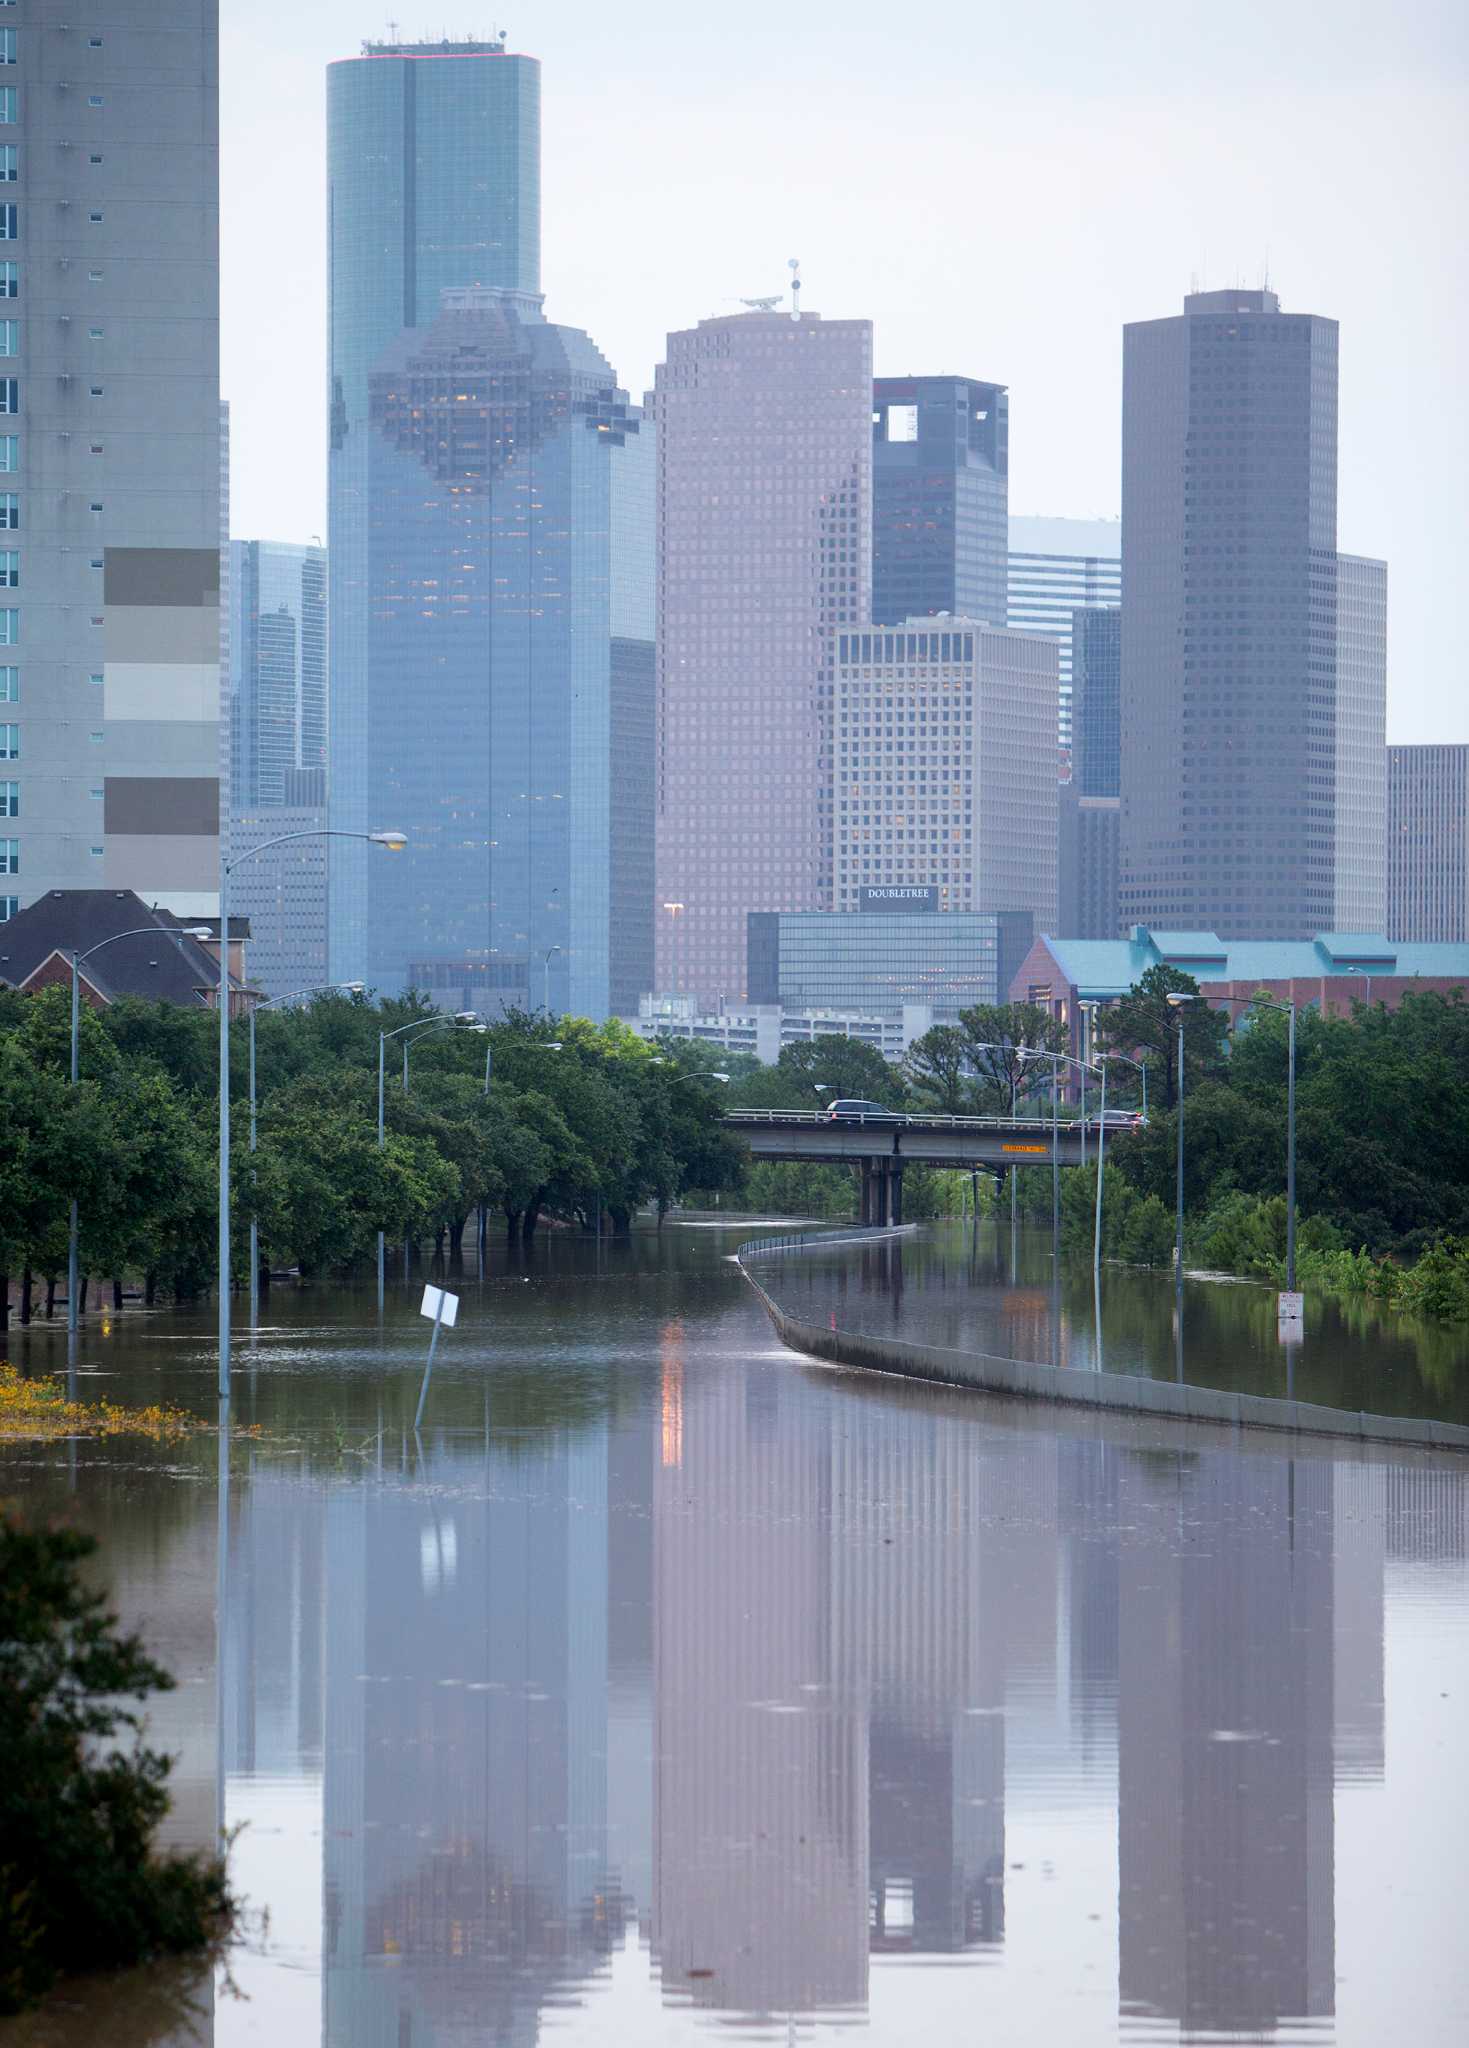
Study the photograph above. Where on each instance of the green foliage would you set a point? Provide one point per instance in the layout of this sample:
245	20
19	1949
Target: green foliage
81	1885
1144	1024
1147	1236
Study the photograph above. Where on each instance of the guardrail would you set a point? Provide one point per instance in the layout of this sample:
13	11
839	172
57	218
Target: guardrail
801	1240
1074	1387
1119	1120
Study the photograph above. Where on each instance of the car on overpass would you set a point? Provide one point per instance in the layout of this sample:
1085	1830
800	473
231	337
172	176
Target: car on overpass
851	1109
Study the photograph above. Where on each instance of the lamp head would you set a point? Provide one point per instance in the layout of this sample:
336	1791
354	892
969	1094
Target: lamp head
1177	999
393	841
466	1016
353	988
198	931
550	1045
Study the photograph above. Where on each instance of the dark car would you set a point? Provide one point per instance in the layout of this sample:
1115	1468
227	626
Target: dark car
850	1109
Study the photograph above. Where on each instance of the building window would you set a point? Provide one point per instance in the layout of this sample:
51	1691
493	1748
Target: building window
9	742
94	277
96	853
9	394
9	223
95	219
95	680
9	452
7	45
9	280
9	569
9	685
94	99
9	799
96	738
9	106
9	856
9	337
94	159
9	626
9	510
94	390
94	334
9	905
9	163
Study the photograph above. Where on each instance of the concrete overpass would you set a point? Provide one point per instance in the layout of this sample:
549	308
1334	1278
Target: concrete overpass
881	1148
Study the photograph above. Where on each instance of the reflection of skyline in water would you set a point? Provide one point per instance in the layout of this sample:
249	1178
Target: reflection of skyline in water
801	1679
752	1662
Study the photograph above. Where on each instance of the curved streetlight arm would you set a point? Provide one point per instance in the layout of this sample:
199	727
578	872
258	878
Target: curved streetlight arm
394	841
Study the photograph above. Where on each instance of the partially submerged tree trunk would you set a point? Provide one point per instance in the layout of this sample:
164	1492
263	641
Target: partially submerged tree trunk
25	1294
82	1294
50	1295
117	1294
150	1288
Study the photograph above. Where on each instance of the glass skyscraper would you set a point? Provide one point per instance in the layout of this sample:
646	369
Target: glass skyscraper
1056	567
1096	700
433	166
277	642
940	498
486	675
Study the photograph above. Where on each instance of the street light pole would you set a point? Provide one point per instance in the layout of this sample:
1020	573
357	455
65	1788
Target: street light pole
1263	1002
137	931
1179	1002
546	980
393	841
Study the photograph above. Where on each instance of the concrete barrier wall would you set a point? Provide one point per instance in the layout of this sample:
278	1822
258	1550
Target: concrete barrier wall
1024	1379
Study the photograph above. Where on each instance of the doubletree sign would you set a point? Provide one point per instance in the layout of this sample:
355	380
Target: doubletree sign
899	896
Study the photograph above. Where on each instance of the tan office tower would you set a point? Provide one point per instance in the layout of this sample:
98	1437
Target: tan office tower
110	448
1428	843
764	550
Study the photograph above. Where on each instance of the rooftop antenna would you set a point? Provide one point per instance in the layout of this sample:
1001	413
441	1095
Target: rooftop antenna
393	33
794	266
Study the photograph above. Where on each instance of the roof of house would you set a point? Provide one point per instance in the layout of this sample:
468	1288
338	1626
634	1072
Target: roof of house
1108	967
165	968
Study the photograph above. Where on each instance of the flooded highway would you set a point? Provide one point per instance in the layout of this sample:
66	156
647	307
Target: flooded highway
666	1687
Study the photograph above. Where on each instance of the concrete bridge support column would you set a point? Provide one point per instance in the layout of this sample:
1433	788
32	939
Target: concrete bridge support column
895	1192
877	1193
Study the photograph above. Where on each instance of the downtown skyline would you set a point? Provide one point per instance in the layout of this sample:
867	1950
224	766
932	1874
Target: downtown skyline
1051	331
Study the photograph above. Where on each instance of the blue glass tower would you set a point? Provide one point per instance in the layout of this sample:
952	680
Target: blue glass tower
487	670
940	498
433	155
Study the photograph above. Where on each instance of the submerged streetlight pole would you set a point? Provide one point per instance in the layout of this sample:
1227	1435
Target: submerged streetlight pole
1179	1002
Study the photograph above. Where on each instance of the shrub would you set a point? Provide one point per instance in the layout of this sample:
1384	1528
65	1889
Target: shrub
1147	1238
81	1885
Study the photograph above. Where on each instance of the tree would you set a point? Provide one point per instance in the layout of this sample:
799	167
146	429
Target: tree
82	1886
996	1036
818	1070
937	1066
1145	1022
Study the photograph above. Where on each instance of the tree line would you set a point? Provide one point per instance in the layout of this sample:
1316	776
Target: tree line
1382	1122
581	1123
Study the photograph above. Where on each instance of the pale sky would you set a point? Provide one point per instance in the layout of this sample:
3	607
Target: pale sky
997	190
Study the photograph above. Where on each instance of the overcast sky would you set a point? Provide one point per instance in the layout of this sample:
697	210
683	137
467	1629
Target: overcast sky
997	189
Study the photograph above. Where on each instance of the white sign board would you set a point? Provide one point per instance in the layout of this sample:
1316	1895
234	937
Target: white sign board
1290	1310
440	1307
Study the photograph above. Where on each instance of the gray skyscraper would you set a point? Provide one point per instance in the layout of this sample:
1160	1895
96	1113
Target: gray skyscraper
764	548
1428	843
1229	591
110	453
631	716
1361	745
433	156
940	498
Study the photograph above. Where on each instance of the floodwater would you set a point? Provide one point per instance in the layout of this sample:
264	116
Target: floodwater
669	1688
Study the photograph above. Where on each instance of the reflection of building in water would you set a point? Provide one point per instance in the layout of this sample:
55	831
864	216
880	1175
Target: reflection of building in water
1225	1709
1086	1503
760	1885
465	1790
1427	1514
1359	1494
274	1647
919	1642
